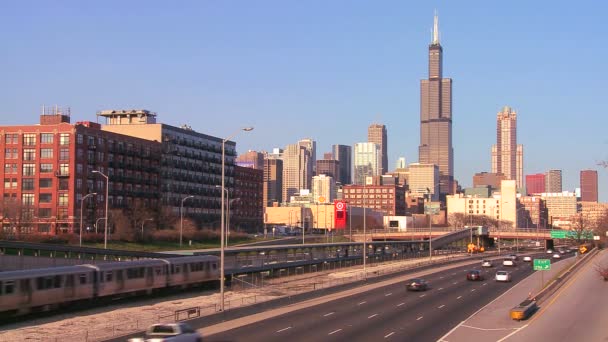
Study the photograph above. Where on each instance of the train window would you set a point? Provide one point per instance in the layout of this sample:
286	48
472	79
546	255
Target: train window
109	276
83	278
1	289
69	280
40	283
9	287
158	270
48	282
177	269
57	282
214	266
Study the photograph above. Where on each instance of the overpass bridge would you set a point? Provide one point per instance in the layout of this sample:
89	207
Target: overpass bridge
451	234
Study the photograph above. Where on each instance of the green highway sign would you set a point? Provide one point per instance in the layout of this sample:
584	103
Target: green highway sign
567	234
542	264
557	234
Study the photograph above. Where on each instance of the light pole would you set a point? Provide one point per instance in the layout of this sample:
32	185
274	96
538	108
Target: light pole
228	218
105	235
223	218
364	227
181	219
142	227
246	129
81	212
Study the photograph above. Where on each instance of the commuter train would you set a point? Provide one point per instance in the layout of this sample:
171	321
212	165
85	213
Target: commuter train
35	290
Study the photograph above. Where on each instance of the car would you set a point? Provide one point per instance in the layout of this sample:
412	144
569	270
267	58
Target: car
562	251
527	258
512	256
170	332
503	276
475	275
557	256
486	263
508	262
417	284
549	251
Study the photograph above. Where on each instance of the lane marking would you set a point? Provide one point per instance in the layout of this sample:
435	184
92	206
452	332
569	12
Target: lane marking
459	298
449	332
372	316
484	284
473	290
335	331
422	295
283	329
400	304
328	314
454	283
388	294
440	277
389	335
419	318
511	334
441	288
441	306
487	329
361	303
455	273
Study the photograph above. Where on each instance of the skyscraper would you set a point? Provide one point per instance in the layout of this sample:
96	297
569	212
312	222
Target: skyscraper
589	185
297	170
311	146
553	181
273	181
535	184
376	133
436	117
507	156
367	161
344	155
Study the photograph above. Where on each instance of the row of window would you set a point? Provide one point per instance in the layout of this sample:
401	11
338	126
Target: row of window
371	191
30	169
29	199
30	153
29	139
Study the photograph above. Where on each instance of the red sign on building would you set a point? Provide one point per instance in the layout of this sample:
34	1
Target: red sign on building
340	214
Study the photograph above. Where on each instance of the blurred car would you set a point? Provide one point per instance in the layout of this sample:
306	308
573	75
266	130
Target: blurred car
475	275
417	284
508	262
549	251
562	251
557	256
528	258
171	332
512	256
502	276
486	263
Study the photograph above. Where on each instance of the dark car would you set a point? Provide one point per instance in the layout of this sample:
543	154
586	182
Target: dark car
416	284
475	275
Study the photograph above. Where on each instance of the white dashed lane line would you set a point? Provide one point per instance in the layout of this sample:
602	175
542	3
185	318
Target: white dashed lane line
454	283
283	329
389	335
400	304
328	314
419	318
362	303
335	331
473	290
484	284
388	294
372	316
441	306
439	289
458	297
422	295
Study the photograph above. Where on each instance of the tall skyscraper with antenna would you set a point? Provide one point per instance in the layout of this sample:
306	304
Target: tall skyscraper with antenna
436	116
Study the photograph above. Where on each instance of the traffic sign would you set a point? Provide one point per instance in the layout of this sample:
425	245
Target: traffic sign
582	249
558	234
542	264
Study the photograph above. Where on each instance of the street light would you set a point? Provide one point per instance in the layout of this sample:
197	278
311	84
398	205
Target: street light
142	227
246	129
181	219
228	217
105	235
81	212
364	227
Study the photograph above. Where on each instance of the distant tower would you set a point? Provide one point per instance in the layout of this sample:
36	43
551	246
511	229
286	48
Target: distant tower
507	156
297	170
589	185
311	146
436	117
553	181
376	133
367	161
344	155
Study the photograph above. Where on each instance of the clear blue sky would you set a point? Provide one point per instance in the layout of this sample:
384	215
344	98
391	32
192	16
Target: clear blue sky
322	69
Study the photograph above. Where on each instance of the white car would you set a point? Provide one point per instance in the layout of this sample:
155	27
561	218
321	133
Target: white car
171	332
557	256
528	258
486	263
549	251
508	262
503	276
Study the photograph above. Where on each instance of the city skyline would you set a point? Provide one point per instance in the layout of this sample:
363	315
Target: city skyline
291	79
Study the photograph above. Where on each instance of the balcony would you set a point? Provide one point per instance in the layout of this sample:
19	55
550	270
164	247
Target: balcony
62	174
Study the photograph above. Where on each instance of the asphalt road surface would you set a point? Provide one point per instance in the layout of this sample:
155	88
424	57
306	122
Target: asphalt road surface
387	313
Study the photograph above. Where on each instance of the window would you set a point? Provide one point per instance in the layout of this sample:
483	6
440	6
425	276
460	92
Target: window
29	154
79	138
27	184
64	169
62	213
82	278
29	139
64	184
45	198
46	138
29	169
46	153
45	183
27	199
11	139
10	153
10	168
64	154
44	212
46	168
63	200
64	139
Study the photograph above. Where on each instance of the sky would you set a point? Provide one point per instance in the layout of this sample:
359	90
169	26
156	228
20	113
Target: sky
322	69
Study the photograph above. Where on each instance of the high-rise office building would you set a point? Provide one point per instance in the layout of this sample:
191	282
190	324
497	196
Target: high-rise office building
424	180
311	146
436	117
535	184
507	156
328	167
401	163
344	154
367	161
376	133
251	159
553	181
273	181
297	170
589	185
324	186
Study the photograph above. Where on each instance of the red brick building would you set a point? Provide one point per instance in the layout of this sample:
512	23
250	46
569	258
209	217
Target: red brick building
388	199
48	169
247	211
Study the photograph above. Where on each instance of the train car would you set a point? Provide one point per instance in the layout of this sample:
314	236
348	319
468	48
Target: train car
193	270
131	277
34	290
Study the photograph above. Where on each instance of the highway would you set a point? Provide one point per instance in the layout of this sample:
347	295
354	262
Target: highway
387	313
579	311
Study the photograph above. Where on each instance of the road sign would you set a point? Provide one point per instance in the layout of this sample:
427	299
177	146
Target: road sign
542	264
582	249
596	237
558	234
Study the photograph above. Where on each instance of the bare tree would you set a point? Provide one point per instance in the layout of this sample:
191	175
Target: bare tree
602	270
580	230
12	216
457	220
